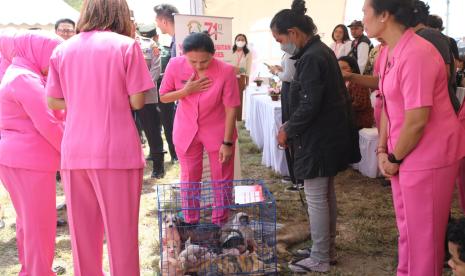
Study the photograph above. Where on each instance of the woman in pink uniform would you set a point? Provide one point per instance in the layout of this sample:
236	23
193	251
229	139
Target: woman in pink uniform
99	75
421	140
208	96
30	150
6	54
6	50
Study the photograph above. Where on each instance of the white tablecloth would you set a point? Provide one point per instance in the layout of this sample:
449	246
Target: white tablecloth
368	166
263	119
253	119
461	94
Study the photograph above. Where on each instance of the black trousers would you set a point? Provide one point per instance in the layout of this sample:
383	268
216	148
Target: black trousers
167	112
285	113
149	117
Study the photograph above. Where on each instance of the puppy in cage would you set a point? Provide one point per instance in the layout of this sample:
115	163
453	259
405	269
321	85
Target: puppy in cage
169	263
171	243
241	222
170	228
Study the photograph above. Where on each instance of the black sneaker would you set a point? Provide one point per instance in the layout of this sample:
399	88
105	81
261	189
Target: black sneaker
286	179
158	175
61	222
59	270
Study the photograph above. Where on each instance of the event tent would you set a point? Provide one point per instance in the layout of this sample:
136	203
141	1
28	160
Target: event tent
25	14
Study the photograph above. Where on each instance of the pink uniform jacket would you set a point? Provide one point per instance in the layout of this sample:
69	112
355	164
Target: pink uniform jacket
30	132
410	81
96	83
201	113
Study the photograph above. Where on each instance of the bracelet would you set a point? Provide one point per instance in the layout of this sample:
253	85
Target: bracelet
229	144
380	150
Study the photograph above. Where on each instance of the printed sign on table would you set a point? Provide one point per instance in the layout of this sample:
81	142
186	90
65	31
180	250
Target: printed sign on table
248	194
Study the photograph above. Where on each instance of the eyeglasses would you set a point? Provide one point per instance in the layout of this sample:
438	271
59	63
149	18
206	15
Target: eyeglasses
66	31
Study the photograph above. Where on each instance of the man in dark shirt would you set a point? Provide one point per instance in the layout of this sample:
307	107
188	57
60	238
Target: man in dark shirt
441	43
435	22
165	22
361	45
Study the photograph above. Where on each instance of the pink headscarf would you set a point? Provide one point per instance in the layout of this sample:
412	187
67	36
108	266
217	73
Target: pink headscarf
7	46
36	48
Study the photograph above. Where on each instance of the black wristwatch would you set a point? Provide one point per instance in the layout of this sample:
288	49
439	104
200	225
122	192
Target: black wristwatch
392	158
229	144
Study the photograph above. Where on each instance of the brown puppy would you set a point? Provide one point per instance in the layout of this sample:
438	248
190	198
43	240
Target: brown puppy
291	234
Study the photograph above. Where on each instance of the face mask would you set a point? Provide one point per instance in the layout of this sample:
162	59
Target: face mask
240	44
289	48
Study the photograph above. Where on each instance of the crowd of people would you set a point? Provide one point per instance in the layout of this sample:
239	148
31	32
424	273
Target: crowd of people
79	100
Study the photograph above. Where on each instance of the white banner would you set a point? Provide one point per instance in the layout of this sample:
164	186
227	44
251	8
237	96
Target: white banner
219	29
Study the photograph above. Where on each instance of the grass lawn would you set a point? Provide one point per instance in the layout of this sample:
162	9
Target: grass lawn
366	233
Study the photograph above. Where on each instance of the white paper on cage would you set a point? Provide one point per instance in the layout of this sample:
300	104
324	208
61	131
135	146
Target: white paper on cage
248	194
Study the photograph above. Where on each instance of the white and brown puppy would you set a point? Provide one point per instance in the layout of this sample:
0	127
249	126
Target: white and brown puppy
171	242
241	223
171	265
169	229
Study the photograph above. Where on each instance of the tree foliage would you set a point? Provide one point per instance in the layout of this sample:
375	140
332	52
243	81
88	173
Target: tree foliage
77	4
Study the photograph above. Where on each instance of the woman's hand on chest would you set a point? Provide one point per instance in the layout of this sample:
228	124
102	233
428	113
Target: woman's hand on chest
199	85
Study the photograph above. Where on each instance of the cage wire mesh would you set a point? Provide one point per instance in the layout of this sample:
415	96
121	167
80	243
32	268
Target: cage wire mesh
204	231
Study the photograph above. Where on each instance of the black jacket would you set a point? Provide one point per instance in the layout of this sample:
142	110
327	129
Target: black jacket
321	124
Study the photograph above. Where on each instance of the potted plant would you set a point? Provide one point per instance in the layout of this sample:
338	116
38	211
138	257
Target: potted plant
275	89
274	93
258	80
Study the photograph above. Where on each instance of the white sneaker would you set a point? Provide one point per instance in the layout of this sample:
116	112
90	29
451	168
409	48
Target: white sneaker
309	265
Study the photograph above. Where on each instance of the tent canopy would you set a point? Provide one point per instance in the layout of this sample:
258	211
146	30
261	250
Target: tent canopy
34	13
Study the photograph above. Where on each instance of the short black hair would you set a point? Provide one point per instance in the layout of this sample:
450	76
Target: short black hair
402	10
198	42
421	12
352	63
64	20
435	22
456	235
294	18
344	30
166	11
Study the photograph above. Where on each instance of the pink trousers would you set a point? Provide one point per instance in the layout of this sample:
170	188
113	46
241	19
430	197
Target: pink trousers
220	194
33	195
422	201
104	202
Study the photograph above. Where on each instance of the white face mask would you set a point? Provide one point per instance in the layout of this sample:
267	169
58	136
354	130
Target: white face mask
289	48
240	44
